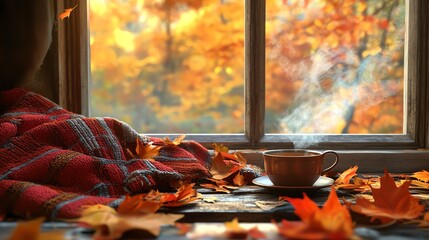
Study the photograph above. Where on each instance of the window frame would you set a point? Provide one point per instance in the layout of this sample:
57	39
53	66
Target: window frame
74	72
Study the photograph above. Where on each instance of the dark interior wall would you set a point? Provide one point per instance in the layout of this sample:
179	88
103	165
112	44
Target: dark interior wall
44	81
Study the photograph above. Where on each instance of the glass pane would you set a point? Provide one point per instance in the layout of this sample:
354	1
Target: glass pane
168	66
335	66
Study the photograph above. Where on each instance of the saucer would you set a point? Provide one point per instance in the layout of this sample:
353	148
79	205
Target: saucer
321	182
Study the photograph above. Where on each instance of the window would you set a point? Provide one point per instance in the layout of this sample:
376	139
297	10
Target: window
258	129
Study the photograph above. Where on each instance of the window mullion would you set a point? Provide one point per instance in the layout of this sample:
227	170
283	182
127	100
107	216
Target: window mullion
254	70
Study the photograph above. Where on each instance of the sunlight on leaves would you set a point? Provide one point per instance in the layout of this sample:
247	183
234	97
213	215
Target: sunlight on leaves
421	175
345	177
390	202
332	221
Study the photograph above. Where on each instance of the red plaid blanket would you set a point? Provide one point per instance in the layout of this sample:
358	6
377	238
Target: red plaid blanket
53	162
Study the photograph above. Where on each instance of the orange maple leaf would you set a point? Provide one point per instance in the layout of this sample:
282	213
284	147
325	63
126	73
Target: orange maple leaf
176	141
152	201
147	151
345	176
390	202
225	164
66	13
239	180
137	205
27	229
332	221
108	224
422	175
184	195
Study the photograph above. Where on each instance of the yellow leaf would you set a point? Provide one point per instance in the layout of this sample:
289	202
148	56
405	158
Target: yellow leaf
422	175
234	230
176	141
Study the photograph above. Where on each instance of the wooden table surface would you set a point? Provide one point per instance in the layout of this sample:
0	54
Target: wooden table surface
241	204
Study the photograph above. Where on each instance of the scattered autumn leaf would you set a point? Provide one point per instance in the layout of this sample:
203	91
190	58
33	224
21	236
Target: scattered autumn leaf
221	169
358	185
416	184
345	176
108	224
220	148
153	200
147	151
184	195
66	13
217	188
332	221
422	175
269	205
183	228
210	199
239	180
138	205
233	230
390	202
176	141
27	229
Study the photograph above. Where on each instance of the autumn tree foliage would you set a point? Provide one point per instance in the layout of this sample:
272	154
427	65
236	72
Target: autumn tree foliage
178	66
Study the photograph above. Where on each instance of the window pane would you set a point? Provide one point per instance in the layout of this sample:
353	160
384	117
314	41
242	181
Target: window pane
168	66
335	66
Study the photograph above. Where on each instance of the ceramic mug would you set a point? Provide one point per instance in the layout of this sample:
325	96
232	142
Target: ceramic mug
296	167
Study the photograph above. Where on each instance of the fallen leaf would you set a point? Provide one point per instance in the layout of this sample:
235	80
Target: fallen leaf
358	185
66	13
255	233
332	221
345	177
215	187
138	205
269	205
108	224
390	202
239	180
27	229
147	151
220	148
183	228
153	200
221	169
176	141
416	184
184	195
233	230
422	175
210	199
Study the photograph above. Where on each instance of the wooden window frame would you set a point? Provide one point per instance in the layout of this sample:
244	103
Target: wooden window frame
369	150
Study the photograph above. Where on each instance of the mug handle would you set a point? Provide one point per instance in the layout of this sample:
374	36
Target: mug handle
335	162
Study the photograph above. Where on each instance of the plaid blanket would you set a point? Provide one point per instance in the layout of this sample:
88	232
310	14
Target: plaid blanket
53	162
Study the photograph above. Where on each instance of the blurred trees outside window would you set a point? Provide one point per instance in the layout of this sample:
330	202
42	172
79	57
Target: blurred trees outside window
177	66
